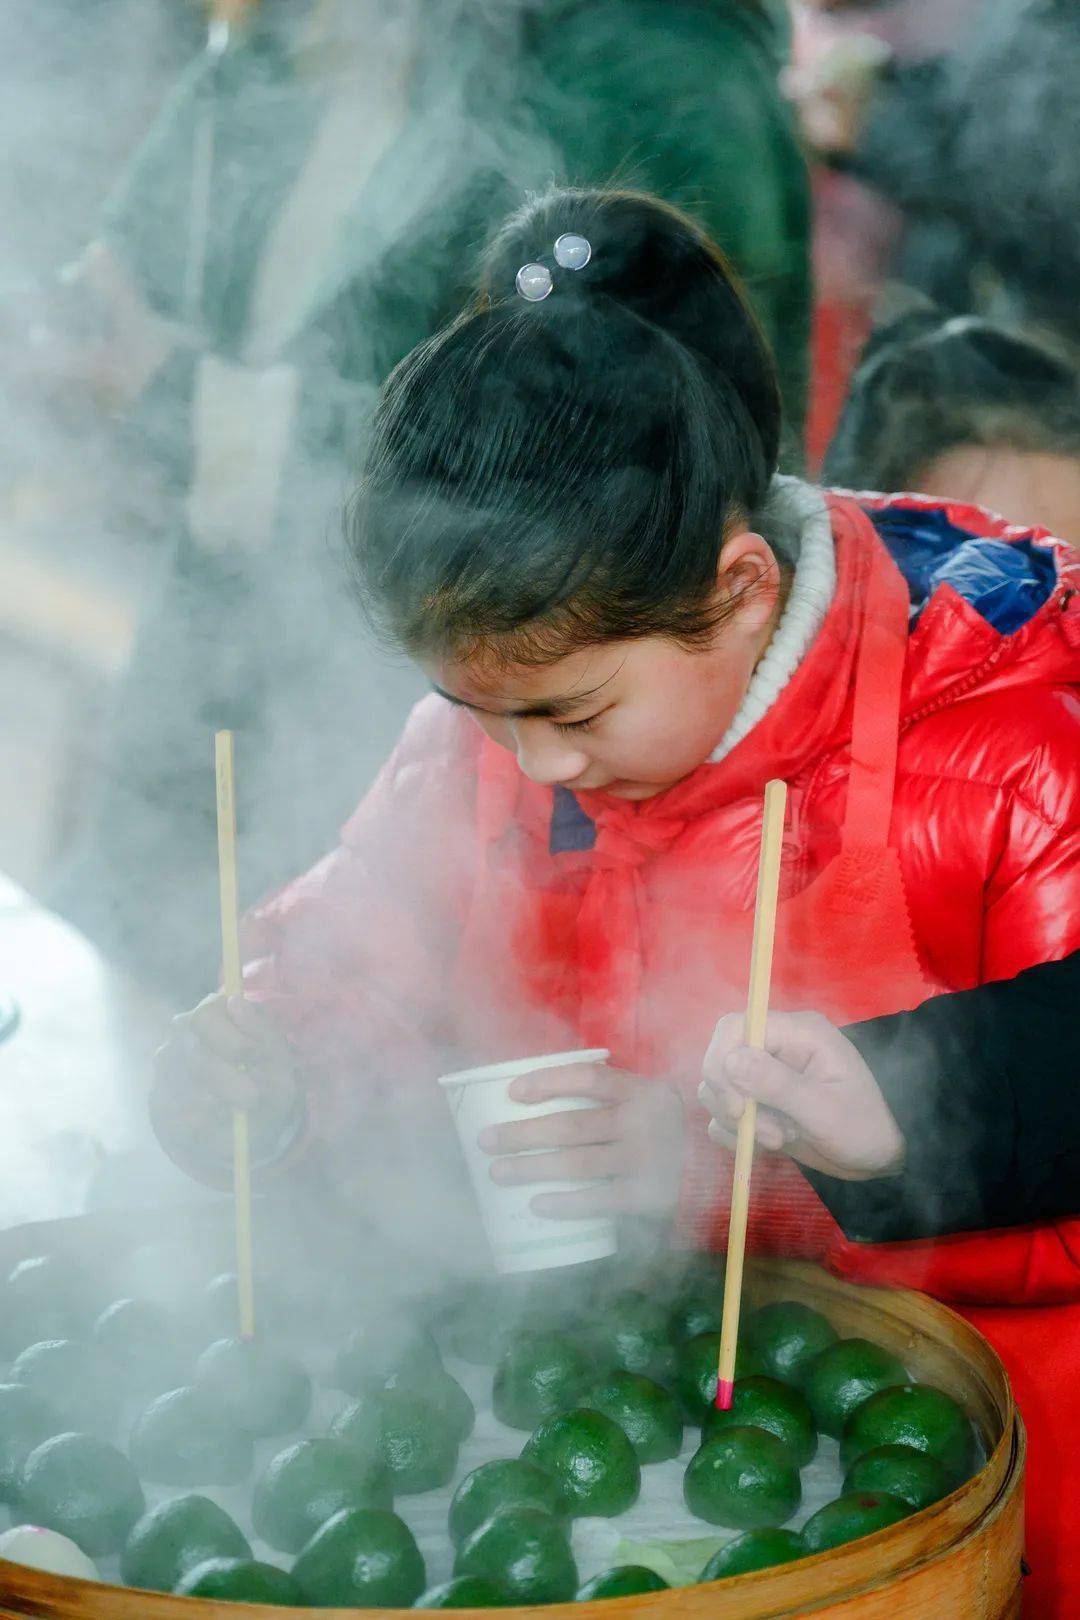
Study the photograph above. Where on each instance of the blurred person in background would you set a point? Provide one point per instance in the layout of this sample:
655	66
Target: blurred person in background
846	45
976	145
59	63
306	209
966	125
962	409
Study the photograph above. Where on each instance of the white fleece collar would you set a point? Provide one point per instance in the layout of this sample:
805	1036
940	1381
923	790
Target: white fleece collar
812	591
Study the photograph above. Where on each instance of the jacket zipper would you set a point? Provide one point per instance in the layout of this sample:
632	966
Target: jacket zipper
1060	600
965	684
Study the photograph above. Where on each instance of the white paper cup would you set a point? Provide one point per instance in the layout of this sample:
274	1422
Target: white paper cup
520	1239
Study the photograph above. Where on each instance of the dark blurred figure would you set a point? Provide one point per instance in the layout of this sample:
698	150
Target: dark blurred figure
977	147
60	64
962	409
308	207
839	50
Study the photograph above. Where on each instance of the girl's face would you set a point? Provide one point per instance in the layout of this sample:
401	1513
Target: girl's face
629	718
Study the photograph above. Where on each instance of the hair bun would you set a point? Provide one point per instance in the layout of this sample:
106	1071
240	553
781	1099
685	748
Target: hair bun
658	265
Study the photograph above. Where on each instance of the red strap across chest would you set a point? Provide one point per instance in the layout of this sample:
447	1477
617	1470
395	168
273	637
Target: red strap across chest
879	677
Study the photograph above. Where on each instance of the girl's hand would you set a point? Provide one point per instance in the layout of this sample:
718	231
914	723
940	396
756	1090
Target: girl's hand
817	1099
221	1056
632	1145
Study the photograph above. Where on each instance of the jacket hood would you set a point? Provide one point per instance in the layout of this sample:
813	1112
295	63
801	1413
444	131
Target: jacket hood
992	604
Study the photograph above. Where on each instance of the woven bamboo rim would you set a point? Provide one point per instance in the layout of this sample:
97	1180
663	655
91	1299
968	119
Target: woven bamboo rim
958	1558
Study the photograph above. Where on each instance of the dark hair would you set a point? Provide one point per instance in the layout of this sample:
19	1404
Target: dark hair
542	475
928	383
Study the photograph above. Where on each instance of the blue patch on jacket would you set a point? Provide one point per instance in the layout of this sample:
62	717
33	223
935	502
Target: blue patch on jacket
1006	582
570	827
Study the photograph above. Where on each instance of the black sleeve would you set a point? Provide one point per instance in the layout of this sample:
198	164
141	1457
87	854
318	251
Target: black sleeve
984	1086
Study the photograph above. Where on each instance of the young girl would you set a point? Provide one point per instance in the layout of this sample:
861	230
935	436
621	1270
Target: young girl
569	518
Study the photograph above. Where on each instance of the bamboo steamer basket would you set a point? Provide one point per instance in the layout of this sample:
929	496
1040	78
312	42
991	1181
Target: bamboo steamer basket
959	1559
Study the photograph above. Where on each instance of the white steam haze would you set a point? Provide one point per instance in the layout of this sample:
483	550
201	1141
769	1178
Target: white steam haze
172	475
198	269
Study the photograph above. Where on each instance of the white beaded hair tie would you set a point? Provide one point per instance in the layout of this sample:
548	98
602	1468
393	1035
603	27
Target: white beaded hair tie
534	281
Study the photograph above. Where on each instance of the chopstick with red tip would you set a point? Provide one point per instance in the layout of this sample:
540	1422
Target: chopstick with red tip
233	984
757	1009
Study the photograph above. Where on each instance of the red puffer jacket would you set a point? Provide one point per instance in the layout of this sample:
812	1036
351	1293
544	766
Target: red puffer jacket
469	914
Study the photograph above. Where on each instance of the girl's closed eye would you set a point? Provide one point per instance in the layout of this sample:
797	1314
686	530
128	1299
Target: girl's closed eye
565	726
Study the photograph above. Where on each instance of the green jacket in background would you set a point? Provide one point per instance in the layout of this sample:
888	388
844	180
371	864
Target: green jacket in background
677	97
681	98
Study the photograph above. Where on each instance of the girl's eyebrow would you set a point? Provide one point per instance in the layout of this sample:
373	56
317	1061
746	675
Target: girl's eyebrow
548	709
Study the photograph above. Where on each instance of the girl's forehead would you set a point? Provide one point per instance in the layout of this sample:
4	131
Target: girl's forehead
577	678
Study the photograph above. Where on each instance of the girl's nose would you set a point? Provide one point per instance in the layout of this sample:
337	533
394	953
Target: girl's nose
544	756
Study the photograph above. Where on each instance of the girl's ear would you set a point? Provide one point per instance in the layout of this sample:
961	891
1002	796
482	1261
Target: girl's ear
748	576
